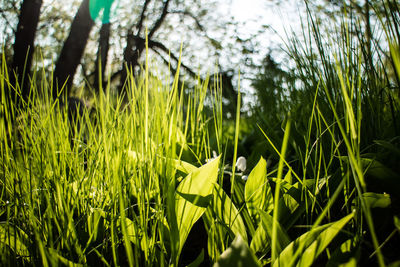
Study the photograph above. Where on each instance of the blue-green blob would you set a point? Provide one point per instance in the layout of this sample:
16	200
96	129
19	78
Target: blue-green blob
95	6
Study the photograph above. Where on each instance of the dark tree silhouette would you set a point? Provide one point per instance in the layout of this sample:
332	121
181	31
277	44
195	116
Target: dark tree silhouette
73	48
24	45
101	59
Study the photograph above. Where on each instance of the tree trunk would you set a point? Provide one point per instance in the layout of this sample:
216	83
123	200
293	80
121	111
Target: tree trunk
135	47
101	60
73	49
128	51
368	32
24	45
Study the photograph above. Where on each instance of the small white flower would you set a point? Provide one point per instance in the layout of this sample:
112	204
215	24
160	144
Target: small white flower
241	164
244	177
215	155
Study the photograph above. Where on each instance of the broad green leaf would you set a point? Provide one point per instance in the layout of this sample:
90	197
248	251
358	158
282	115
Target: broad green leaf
180	165
396	222
305	249
375	200
261	241
215	241
15	239
238	254
60	259
238	198
183	166
388	146
266	223
288	177
131	231
345	255
257	190
193	196
292	204
95	226
198	261
380	176
226	212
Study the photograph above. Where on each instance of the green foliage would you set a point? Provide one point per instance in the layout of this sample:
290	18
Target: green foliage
238	254
126	182
192	198
305	249
257	190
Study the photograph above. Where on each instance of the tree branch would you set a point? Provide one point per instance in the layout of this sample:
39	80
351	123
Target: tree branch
160	20
162	47
191	15
142	17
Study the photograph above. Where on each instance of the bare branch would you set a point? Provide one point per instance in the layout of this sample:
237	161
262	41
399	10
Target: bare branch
197	22
160	20
142	17
191	15
162	47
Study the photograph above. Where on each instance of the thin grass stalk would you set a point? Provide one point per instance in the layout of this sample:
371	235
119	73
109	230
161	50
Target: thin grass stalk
274	252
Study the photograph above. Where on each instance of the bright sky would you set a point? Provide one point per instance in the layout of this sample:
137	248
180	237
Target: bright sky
256	13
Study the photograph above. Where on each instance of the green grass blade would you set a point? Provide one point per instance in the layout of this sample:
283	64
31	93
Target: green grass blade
274	238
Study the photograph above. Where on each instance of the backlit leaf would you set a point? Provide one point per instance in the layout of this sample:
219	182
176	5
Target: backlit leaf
375	200
227	213
192	197
238	254
307	247
257	190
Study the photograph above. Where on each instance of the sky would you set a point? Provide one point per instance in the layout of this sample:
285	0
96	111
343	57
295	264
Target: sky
254	15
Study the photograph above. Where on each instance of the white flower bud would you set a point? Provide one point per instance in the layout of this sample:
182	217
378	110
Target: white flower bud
241	164
215	155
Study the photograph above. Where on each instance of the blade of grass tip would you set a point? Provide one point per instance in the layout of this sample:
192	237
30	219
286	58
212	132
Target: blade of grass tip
237	124
277	189
279	154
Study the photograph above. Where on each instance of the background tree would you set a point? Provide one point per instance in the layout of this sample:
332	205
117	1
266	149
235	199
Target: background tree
24	44
84	48
73	48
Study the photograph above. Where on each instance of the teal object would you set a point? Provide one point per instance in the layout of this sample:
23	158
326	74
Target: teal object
95	6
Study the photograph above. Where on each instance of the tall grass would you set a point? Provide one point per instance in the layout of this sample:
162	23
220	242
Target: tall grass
125	182
94	189
351	97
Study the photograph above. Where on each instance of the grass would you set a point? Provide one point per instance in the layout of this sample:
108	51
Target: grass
134	180
99	192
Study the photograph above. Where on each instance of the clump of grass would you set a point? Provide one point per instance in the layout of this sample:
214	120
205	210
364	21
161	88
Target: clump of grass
125	183
350	96
94	188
